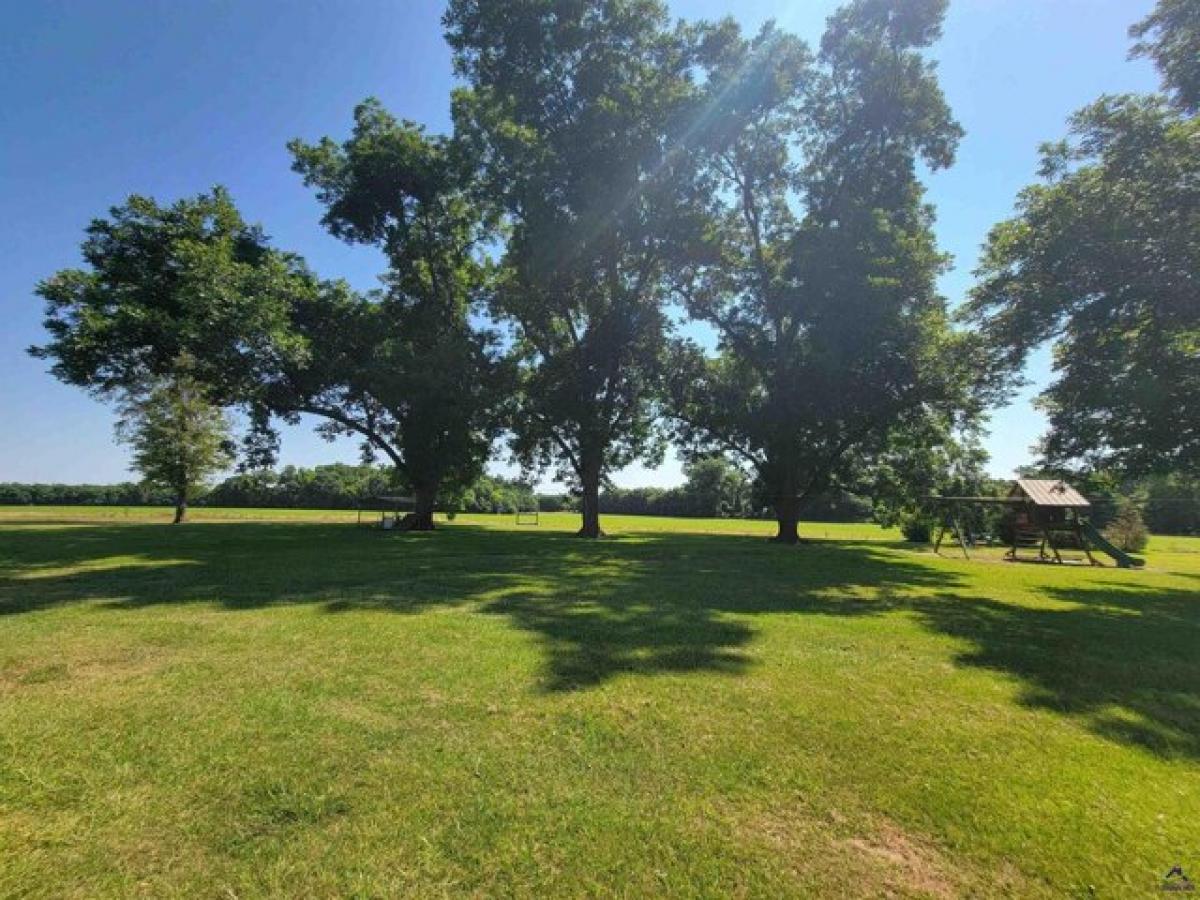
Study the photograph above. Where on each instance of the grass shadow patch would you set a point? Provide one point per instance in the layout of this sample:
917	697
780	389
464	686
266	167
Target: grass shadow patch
1119	658
1113	653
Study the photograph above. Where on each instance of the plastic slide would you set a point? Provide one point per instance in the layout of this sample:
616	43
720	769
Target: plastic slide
1101	543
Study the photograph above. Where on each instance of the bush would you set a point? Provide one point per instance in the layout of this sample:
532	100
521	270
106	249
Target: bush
836	506
917	528
1127	529
1173	505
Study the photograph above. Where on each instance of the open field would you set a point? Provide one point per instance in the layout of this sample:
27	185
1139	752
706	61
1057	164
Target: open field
277	703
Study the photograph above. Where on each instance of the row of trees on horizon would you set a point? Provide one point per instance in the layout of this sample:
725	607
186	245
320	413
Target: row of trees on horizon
713	488
609	167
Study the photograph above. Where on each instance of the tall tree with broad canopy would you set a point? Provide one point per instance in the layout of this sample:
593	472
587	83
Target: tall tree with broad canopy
1102	259
163	283
574	108
820	270
178	436
403	368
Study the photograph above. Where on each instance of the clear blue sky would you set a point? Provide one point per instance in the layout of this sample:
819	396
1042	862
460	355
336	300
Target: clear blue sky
102	98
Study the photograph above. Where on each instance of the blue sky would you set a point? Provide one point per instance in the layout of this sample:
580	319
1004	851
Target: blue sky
103	98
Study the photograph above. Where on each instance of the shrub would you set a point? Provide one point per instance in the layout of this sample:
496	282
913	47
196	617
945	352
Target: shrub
556	503
1173	505
1127	529
917	528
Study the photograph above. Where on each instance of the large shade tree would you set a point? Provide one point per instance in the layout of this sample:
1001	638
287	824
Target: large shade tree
403	368
834	344
164	284
574	109
191	280
1102	260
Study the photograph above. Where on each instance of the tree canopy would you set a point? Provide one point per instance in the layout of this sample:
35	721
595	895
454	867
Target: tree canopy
1102	259
821	270
164	282
1170	36
611	171
402	368
574	110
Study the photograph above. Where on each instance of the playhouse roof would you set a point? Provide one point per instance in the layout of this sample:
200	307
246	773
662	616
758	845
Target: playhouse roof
1049	492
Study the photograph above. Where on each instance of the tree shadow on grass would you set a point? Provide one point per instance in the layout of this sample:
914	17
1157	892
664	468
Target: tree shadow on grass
652	603
645	603
1116	655
1121	658
232	565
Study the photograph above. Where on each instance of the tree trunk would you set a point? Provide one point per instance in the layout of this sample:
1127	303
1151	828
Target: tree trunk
590	501
787	514
181	508
426	499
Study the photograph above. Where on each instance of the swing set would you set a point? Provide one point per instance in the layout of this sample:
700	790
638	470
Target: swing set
1045	516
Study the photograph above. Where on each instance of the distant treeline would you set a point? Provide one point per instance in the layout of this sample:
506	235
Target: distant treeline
341	486
682	502
126	493
713	489
1169	504
335	486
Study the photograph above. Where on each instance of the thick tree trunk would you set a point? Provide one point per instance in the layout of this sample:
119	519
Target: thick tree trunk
426	499
181	508
590	501
787	514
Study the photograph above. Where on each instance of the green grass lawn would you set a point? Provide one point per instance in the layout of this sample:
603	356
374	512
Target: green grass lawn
279	703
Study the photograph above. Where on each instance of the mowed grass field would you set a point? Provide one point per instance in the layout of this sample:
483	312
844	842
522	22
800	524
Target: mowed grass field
278	703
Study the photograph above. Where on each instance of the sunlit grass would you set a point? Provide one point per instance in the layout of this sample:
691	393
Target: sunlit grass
280	703
559	522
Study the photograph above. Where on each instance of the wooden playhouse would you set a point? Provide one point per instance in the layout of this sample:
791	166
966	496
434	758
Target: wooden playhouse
1045	514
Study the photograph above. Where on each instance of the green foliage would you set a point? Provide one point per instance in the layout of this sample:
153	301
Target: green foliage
556	503
423	398
714	489
820	271
335	486
403	369
834	506
124	494
178	436
1170	36
340	486
627	164
913	469
492	494
191	278
1172	505
921	461
571	110
1127	529
917	527
1101	259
